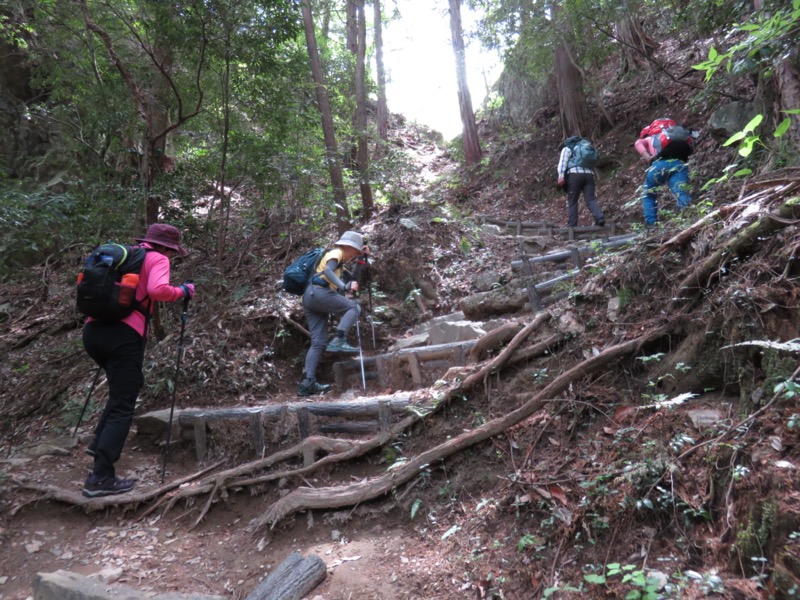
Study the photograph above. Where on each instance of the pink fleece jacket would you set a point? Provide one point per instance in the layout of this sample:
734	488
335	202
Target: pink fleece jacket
153	286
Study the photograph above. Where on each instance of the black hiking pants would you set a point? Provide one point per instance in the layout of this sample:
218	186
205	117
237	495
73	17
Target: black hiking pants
577	183
119	350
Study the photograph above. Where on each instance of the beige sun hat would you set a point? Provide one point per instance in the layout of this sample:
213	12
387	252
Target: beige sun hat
352	239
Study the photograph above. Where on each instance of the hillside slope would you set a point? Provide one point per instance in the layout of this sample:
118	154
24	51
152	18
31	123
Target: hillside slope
657	434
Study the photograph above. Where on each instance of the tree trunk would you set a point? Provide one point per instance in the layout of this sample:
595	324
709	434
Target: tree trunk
787	80
571	98
334	168
362	153
637	46
382	116
472	148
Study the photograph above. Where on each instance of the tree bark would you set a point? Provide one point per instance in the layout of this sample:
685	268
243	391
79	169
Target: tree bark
637	46
472	148
571	98
382	116
362	153
328	132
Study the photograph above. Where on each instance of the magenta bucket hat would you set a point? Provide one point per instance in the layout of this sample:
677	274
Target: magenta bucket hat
165	235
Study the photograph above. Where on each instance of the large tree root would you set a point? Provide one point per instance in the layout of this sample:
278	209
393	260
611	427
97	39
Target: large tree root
708	272
348	495
252	474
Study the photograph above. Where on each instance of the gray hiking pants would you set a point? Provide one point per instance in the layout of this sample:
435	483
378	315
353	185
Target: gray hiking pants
319	303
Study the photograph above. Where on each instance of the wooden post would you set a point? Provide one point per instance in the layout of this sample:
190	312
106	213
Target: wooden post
384	417
413	365
576	258
533	297
302	422
200	439
257	422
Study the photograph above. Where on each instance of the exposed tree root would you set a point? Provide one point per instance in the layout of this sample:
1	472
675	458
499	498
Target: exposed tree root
348	495
709	271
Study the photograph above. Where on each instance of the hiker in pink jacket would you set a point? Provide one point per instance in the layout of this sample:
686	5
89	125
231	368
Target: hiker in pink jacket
118	348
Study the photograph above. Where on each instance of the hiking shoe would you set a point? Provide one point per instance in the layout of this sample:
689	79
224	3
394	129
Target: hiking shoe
340	346
600	222
309	387
106	486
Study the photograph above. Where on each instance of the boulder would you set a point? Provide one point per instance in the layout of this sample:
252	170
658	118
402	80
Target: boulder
65	585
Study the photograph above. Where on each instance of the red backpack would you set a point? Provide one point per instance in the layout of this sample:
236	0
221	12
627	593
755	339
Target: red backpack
657	127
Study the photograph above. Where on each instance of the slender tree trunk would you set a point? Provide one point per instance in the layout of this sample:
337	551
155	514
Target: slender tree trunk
472	148
382	116
328	132
219	188
362	153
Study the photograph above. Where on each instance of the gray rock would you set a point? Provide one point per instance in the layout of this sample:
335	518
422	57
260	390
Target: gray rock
426	326
704	417
65	585
458	331
420	339
728	119
486	281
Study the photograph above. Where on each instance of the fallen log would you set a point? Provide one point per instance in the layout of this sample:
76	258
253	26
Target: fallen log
587	250
294	578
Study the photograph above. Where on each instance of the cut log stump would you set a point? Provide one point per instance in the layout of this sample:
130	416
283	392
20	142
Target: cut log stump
294	578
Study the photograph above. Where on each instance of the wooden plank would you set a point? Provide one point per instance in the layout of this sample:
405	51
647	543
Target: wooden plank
363	407
338	375
356	427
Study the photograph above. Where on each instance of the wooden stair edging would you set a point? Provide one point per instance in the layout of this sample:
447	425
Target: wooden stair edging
534	228
582	251
388	368
193	424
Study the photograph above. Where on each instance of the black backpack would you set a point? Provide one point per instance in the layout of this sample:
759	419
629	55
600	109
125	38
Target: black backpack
107	284
299	273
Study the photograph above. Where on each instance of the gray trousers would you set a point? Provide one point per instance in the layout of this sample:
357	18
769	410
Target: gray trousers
319	303
577	183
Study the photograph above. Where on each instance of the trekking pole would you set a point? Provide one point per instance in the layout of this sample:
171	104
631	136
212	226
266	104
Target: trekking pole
184	318
361	356
88	396
369	297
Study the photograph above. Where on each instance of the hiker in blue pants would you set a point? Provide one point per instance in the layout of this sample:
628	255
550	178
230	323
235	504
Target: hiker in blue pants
675	174
666	147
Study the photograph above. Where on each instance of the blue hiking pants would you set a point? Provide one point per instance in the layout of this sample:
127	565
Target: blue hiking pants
674	173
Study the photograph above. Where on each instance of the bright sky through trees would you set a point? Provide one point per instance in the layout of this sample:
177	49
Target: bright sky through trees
421	67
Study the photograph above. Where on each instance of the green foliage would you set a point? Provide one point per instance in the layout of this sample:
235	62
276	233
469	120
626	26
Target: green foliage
644	588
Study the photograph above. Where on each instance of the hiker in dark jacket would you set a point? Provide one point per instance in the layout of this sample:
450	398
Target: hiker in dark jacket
118	348
325	296
578	180
667	165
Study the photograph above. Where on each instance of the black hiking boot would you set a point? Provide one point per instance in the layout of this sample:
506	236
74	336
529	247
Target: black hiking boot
310	387
600	222
106	486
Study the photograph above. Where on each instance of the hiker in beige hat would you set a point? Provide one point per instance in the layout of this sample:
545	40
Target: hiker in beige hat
325	296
